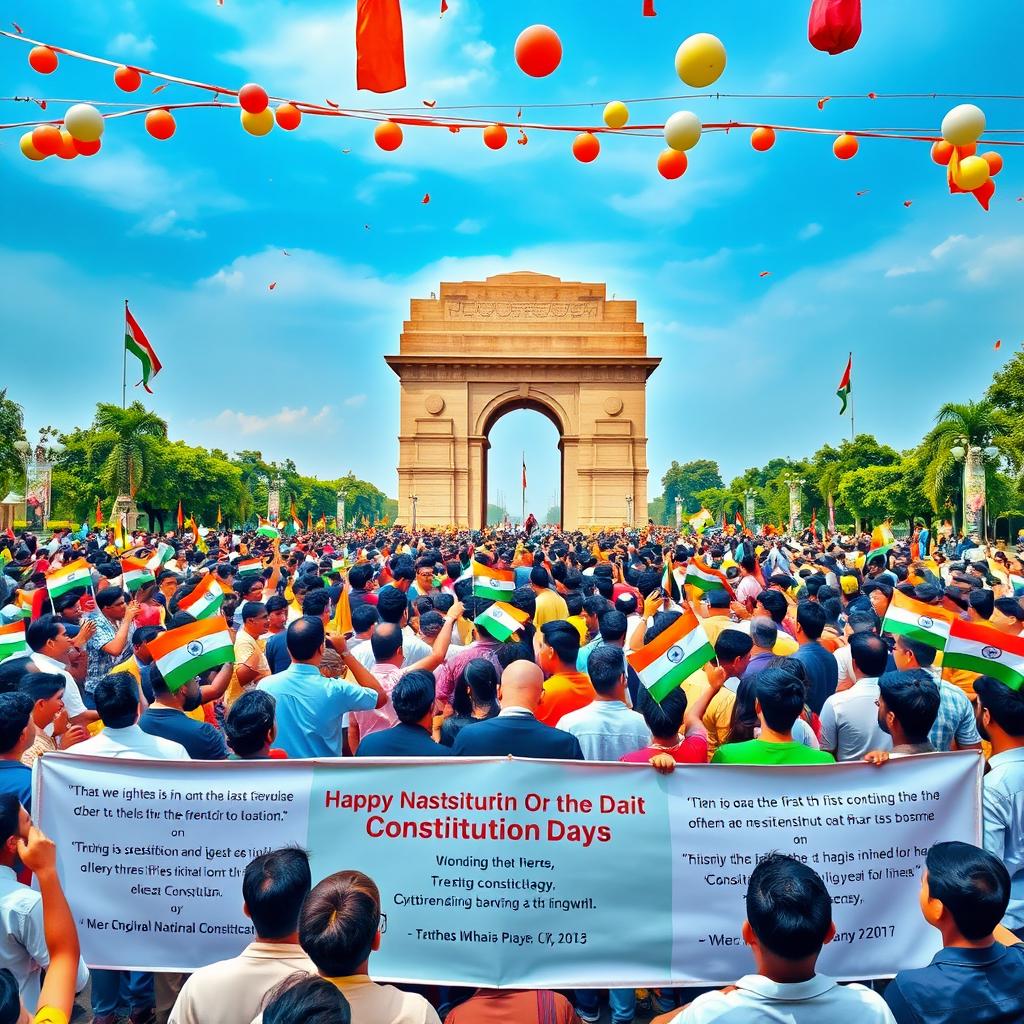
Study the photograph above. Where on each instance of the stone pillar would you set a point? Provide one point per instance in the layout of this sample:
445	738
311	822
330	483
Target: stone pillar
340	513
274	500
794	504
751	509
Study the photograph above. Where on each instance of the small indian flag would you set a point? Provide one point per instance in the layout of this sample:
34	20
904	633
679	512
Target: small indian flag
672	655
249	566
501	620
882	552
700	520
12	640
73	576
339	563
492	584
135	573
704	578
136	342
205	600
267	529
163	554
181	654
925	623
986	651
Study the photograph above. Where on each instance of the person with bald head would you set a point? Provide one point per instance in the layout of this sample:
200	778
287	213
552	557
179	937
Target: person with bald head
516	730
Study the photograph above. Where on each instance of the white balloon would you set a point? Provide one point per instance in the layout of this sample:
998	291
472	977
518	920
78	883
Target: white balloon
84	122
682	130
963	124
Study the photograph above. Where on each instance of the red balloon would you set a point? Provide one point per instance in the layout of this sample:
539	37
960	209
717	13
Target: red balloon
495	136
388	135
87	148
288	117
672	164
845	146
127	79
43	60
67	149
762	139
992	158
585	147
46	139
942	151
160	124
253	98
538	51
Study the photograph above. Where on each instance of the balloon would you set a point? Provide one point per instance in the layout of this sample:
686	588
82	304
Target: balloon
127	79
585	147
963	124
671	164
28	149
42	59
845	147
46	139
253	98
288	117
84	122
538	51
258	124
969	150
87	148
682	130
700	60
762	139
992	158
941	152
67	149
972	174
495	136
388	135
160	124
616	114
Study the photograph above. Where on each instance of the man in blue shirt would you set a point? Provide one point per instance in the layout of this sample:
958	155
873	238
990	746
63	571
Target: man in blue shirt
964	892
413	699
819	663
17	734
310	706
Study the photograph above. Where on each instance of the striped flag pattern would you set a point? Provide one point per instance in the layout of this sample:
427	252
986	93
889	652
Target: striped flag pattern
501	620
672	656
249	566
135	573
75	575
136	342
987	651
267	529
492	584
925	623
12	640
181	654
704	578
206	599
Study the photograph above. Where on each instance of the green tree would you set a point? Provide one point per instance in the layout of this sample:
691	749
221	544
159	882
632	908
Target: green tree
12	428
686	480
656	511
495	514
126	446
553	516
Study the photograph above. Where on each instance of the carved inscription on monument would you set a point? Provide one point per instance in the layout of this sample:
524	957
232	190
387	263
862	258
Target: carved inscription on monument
459	309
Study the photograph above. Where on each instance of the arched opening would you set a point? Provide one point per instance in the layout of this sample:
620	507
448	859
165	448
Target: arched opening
512	432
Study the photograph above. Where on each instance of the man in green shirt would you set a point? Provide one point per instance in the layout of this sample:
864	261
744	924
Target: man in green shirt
779	700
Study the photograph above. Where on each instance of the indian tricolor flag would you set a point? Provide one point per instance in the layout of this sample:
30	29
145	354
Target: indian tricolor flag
12	640
501	620
181	654
987	651
881	552
136	342
73	576
206	599
672	655
492	584
135	573
925	623
249	566
338	564
163	554
267	529
704	578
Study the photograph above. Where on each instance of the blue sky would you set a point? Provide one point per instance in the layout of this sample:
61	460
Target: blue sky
192	230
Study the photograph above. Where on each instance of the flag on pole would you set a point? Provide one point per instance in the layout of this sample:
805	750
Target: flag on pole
524	471
181	519
380	48
926	623
814	523
700	520
987	651
267	529
844	389
75	575
740	521
206	599
492	584
672	656
99	513
501	620
135	573
181	654
704	578
136	342
249	566
12	640
220	518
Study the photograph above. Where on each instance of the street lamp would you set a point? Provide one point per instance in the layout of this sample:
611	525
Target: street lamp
413	499
679	513
629	509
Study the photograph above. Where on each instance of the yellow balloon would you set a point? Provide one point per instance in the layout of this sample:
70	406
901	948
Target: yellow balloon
973	173
30	150
258	124
963	124
682	130
700	60
616	114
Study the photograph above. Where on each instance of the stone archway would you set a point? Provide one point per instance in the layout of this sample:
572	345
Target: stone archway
523	340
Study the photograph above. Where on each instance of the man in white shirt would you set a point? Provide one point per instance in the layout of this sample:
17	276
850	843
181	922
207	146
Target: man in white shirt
393	606
48	639
849	718
789	919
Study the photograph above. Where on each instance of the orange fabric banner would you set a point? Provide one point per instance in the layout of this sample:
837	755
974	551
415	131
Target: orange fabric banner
380	50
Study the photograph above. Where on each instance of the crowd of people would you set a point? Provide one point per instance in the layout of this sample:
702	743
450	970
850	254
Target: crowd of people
377	644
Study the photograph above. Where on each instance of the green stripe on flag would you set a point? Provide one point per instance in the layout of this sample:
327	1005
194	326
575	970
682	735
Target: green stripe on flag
702	584
485	590
913	632
673	679
180	676
971	663
9	646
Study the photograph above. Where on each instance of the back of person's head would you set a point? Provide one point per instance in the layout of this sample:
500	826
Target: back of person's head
385	641
42	631
972	884
913	697
250	721
606	667
117	700
718	598
863	620
273	887
144	634
306	999
626	603
924	654
108	596
316	602
339	921
563	638
648	581
664	719
811	618
781	696
525	600
10	998
574	602
364	617
539	577
477	686
413	696
869	654
41	685
612	625
982	602
763	632
513	650
732	644
660	622
12	670
305	637
1006	706
788	907
774	604
15	713
360	575
392	605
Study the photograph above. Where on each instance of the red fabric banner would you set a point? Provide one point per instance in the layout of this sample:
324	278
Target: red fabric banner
380	49
834	25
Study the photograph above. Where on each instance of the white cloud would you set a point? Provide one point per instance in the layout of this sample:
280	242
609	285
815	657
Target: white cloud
127	44
944	247
479	51
169	224
469	226
294	420
354	401
1003	258
809	231
930	308
371	186
903	271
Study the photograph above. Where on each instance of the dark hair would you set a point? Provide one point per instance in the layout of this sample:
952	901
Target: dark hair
660	622
811	618
68	600
477	686
413	696
563	638
42	631
273	887
613	625
605	666
539	577
316	602
788	907
392	605
781	696
1010	607
15	712
924	654
513	650
306	999
108	596
732	644
117	700
41	685
360	575
385	641
252	609
574	602
339	920
972	884
525	600
245	584
364	617
1006	706
249	721
666	718
12	670
982	601
10	998
305	636
863	620
744	722
276	603
774	604
10	816
913	697
763	632
869	653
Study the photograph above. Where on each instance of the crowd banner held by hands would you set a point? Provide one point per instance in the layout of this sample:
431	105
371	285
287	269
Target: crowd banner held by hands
506	872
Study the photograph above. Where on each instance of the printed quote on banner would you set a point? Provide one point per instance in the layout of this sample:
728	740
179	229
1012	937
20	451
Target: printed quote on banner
504	872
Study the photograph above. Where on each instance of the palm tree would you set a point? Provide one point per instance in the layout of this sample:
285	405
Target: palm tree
126	445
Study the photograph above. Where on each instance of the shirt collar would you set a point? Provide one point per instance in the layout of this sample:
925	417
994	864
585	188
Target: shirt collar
298	669
512	711
7	873
45	659
791	991
971	957
275	950
1006	757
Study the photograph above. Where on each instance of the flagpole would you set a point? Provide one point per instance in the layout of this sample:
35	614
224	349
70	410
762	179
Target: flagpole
124	363
524	490
853	430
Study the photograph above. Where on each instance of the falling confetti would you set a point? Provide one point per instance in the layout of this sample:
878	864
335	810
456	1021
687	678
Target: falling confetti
430	103
160	88
999	343
522	140
454	129
17	27
765	273
272	285
823	101
426	198
367	226
864	192
908	202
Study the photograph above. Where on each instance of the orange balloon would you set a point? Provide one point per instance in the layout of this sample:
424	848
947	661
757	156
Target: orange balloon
941	152
127	79
42	59
538	51
585	147
87	148
845	146
969	150
67	149
672	164
288	117
495	136
388	135
160	124
46	139
253	99
762	139
992	158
